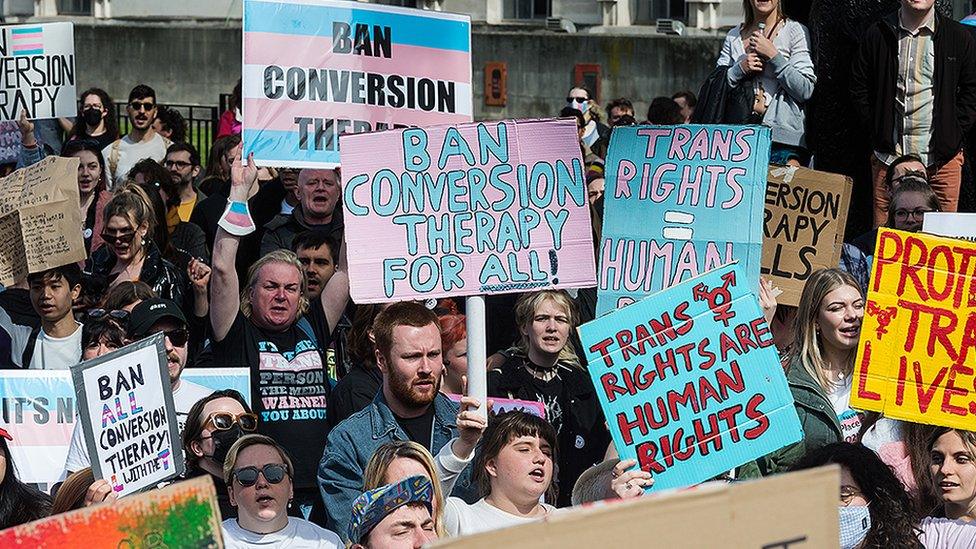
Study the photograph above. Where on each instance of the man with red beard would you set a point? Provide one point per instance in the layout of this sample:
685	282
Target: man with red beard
409	406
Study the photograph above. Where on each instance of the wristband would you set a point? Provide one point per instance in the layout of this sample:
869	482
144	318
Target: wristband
237	219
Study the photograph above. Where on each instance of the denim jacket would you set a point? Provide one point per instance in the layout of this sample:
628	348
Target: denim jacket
352	443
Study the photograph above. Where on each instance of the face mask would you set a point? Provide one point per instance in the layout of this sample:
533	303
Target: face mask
222	441
582	107
855	522
92	116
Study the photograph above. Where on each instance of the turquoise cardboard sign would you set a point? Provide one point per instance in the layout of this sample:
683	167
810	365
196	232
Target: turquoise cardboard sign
689	380
680	201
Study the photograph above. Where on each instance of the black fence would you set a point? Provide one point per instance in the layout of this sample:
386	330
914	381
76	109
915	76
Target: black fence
202	124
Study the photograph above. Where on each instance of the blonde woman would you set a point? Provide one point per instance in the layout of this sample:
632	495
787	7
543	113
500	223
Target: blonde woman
400	459
544	368
820	364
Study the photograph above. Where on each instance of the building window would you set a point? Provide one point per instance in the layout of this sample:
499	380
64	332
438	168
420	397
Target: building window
74	7
527	9
649	11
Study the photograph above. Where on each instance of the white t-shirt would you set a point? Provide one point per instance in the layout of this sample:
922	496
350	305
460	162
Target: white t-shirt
298	534
56	353
943	533
130	153
184	397
850	421
461	519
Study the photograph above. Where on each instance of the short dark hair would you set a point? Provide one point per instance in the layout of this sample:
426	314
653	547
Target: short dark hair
126	293
570	112
314	239
664	111
404	313
903	159
107	327
625	120
195	422
141	91
182	146
172	120
71	273
688	96
156	177
501	430
618	103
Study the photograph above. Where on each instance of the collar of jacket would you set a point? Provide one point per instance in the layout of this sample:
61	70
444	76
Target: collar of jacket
892	24
811	394
383	423
104	259
298	216
573	384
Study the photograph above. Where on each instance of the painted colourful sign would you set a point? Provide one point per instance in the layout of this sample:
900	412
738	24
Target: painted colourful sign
803	227
502	405
690	381
126	409
917	352
184	514
217	379
464	210
680	200
37	71
315	70
38	410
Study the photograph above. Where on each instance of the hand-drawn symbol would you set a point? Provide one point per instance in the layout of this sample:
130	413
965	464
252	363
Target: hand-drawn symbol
719	299
884	316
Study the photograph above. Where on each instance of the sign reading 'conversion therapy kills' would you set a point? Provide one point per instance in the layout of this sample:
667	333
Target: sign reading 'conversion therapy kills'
317	69
38	71
680	200
473	209
918	337
689	380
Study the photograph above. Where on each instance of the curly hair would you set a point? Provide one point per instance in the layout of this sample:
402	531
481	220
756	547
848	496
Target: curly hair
893	521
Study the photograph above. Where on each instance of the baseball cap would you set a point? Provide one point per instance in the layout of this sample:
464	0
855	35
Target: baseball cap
151	311
373	506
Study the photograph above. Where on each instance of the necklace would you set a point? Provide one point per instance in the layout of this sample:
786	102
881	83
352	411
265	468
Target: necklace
539	372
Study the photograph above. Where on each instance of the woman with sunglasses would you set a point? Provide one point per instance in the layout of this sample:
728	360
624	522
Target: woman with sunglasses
213	425
258	473
131	254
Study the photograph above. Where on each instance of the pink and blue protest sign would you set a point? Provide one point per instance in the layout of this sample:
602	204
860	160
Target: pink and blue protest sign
484	208
680	200
38	410
318	69
689	380
37	71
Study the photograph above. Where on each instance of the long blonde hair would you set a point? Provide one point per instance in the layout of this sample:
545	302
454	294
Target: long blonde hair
525	309
806	340
374	475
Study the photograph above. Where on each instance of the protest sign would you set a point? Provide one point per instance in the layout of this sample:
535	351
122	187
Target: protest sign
38	410
915	357
184	514
689	380
318	69
465	210
40	219
10	142
38	71
502	405
680	200
956	225
803	227
126	408
790	511
217	379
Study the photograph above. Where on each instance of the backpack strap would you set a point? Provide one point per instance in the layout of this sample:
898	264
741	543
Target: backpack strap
113	160
28	355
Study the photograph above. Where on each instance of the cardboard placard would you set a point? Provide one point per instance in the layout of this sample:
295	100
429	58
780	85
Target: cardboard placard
217	379
184	514
40	219
464	210
39	413
689	380
918	336
789	511
803	227
38	71
318	69
680	200
126	408
502	405
956	225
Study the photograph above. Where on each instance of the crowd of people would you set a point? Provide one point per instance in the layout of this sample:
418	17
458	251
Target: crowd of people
358	430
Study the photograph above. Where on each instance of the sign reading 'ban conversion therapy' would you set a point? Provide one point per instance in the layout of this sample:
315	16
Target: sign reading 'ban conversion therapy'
37	71
317	69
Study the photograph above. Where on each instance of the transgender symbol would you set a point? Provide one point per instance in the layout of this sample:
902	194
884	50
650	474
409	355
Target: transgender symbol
884	316
719	299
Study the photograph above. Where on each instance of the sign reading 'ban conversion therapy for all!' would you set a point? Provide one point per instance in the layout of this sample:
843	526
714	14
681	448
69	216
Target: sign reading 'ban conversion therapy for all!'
38	71
317	69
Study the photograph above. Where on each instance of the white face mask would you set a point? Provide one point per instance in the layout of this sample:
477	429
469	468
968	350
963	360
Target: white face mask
855	523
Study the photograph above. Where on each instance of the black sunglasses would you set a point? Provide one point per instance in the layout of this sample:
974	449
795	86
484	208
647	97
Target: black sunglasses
137	106
120	315
273	473
177	337
122	237
577	99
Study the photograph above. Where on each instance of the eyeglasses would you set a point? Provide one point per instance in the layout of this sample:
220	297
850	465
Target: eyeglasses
178	164
120	315
177	337
124	237
223	421
138	106
917	213
847	494
576	99
273	473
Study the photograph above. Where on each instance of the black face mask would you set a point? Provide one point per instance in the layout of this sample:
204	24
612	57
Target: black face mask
222	441
92	116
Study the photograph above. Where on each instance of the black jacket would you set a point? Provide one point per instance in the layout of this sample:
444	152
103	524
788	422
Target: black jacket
584	437
355	391
168	281
874	75
280	231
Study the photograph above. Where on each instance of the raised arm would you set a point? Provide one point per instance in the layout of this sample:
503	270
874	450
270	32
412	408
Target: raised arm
225	295
335	296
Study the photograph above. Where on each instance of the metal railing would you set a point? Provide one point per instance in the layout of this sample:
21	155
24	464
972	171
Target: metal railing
202	123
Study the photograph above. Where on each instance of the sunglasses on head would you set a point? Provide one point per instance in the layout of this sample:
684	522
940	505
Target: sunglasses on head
124	237
223	421
139	105
120	315
273	473
177	337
